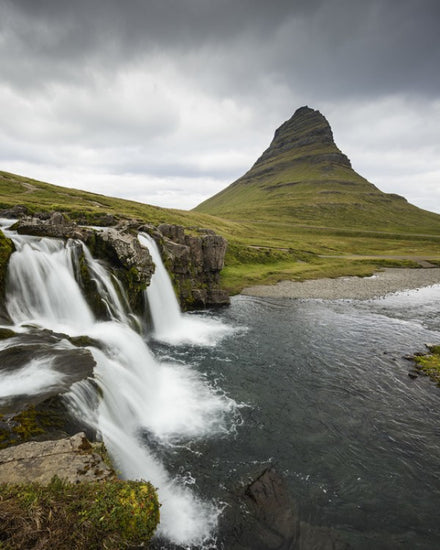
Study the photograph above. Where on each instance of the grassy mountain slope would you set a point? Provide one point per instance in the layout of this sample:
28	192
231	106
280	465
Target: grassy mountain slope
38	196
300	212
304	179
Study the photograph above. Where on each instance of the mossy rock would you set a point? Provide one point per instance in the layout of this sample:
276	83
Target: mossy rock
429	363
33	422
6	249
6	333
84	341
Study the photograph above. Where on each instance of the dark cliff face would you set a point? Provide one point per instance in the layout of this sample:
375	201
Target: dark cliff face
194	263
306	135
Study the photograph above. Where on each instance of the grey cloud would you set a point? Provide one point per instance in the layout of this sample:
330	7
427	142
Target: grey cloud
344	46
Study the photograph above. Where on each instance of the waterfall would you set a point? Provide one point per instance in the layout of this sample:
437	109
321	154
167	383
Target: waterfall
141	401
170	325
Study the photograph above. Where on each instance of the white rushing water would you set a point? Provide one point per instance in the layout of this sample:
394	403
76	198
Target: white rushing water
141	400
170	325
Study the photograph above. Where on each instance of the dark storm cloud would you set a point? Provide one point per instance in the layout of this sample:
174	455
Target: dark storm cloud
348	46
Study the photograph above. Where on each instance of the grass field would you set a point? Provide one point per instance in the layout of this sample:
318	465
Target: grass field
262	249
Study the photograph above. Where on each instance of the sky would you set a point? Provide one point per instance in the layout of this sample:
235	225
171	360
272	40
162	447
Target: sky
169	101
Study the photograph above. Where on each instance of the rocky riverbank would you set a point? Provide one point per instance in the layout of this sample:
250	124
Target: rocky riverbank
353	288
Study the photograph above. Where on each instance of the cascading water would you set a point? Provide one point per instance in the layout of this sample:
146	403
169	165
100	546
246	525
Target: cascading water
141	400
169	324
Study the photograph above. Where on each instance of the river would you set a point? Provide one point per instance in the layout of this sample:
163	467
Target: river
330	403
318	388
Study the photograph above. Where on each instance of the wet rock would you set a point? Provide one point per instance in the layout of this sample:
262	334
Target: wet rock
60	228
6	333
71	459
130	253
194	262
65	366
262	516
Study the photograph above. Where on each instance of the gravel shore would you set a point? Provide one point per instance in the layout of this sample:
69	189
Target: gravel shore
358	288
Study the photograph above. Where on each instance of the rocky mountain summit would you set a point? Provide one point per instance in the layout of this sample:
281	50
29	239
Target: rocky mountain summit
307	135
304	178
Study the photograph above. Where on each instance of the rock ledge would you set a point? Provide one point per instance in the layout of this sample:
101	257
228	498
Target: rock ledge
71	459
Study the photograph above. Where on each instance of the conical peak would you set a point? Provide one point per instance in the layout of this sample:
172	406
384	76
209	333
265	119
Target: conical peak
307	133
306	127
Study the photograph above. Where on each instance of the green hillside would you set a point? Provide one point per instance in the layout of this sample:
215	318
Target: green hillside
37	196
300	212
304	179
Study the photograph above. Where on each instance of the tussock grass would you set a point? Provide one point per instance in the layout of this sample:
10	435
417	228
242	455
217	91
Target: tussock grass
87	516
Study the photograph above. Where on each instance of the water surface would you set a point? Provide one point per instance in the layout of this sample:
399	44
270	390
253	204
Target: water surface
329	401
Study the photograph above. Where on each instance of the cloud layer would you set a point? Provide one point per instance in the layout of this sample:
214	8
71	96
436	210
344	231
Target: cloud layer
169	101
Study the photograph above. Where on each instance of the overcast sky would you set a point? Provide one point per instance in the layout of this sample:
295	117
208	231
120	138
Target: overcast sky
169	101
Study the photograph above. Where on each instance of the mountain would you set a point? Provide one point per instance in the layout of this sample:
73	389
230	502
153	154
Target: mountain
305	179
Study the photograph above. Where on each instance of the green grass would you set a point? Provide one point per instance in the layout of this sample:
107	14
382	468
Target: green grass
86	516
239	276
429	364
38	196
268	243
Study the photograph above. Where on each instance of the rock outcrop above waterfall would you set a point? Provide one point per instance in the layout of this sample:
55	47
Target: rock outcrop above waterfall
119	247
194	260
72	459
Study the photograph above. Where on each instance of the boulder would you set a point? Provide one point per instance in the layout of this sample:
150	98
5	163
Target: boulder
194	263
262	516
17	211
129	253
72	459
60	228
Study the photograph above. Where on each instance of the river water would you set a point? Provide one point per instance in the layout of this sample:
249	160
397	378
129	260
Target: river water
330	403
318	388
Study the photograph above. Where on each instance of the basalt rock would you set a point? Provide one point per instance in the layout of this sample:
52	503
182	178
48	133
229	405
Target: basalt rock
194	262
17	211
262	516
119	247
57	226
131	260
